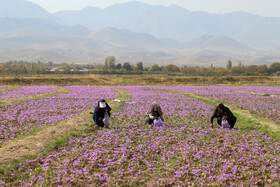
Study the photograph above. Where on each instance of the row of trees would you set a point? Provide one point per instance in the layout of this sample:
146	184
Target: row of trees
240	69
24	67
110	64
110	67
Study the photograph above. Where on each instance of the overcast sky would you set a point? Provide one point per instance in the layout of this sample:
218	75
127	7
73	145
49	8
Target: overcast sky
266	8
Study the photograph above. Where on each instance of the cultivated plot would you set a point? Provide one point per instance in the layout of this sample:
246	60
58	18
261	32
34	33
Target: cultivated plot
185	151
26	117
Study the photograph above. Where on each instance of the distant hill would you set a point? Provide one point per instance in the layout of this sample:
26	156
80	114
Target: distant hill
216	42
51	41
171	22
32	56
132	40
177	23
21	9
136	32
162	22
38	26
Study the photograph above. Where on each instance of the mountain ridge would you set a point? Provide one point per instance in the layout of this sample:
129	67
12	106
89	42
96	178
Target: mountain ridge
138	32
160	21
23	9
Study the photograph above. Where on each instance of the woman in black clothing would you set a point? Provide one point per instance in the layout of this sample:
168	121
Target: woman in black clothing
222	112
155	113
99	113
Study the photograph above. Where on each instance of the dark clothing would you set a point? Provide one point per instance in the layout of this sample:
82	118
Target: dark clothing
155	112
150	121
156	115
99	122
226	112
231	121
99	114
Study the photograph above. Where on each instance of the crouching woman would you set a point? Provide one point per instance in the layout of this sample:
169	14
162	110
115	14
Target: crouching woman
155	114
101	114
221	112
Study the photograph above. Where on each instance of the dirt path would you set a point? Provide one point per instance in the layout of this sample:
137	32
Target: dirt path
61	90
32	145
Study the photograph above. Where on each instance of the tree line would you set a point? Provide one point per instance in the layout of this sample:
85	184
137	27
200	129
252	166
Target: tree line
111	67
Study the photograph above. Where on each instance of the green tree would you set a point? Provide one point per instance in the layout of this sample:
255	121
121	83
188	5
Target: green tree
110	62
273	68
252	69
238	70
106	63
127	66
139	66
239	64
13	68
155	67
263	68
68	68
229	65
171	68
119	66
33	68
50	63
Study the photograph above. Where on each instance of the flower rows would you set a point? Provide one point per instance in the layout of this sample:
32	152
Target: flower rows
25	91
264	106
172	104
185	152
269	90
2	87
31	115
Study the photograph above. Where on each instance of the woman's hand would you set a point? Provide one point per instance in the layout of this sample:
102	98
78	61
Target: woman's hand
151	116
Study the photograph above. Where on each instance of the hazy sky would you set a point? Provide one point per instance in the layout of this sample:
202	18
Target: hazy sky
260	7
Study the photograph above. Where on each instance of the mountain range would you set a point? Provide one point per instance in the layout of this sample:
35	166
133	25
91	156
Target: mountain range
134	32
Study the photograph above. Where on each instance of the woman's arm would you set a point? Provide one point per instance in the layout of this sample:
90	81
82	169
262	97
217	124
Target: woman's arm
213	116
95	114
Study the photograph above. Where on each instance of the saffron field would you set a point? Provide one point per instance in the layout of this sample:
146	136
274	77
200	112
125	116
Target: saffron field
262	105
34	114
185	151
2	87
26	91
